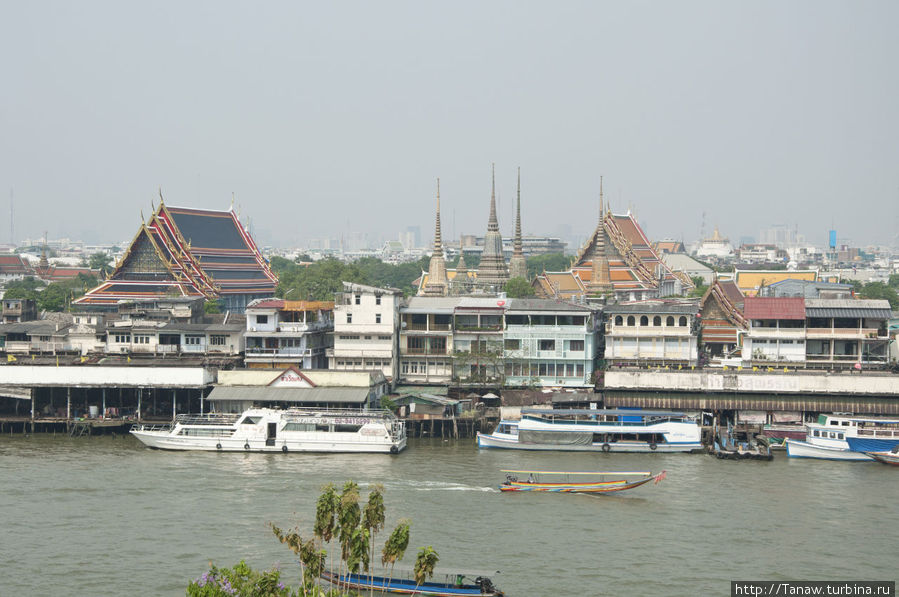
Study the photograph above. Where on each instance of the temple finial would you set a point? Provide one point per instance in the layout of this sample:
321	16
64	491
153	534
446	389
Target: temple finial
161	200
492	223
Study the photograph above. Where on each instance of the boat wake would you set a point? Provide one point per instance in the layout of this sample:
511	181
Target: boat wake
436	486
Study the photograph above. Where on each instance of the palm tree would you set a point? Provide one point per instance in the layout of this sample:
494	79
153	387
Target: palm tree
424	565
373	520
349	514
395	546
325	516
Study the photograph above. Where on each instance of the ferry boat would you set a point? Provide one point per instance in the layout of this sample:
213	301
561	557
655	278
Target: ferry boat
275	430
832	436
592	430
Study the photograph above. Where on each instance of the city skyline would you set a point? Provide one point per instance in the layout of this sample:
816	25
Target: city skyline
752	114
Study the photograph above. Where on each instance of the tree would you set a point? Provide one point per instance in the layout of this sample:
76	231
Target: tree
211	307
424	565
699	286
239	580
519	288
879	290
894	281
100	261
551	262
395	546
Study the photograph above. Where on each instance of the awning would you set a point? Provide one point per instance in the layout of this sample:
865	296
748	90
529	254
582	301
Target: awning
296	395
763	402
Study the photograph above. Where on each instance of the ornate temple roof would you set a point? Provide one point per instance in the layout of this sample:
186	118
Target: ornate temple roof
633	263
184	251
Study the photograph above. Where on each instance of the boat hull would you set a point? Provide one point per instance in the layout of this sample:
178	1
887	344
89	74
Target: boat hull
800	449
490	441
885	457
600	487
165	441
865	444
405	586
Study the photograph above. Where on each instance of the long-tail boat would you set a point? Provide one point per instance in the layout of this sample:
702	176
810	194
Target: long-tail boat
578	481
454	583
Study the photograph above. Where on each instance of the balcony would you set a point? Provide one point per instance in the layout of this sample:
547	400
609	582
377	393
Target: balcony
845	333
299	327
286	352
648	331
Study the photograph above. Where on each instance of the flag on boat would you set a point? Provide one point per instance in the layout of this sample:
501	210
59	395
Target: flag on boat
661	477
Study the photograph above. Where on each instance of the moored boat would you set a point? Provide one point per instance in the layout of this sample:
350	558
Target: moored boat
578	481
455	583
891	457
591	430
275	430
831	438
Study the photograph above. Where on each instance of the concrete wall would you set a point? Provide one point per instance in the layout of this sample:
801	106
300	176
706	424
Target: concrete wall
758	382
99	376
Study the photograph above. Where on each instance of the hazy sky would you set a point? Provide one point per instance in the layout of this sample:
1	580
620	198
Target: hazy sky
331	117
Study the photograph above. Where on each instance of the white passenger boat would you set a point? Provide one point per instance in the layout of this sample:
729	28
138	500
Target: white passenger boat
829	438
590	430
274	430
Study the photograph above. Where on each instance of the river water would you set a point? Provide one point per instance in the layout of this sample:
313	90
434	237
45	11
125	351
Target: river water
106	516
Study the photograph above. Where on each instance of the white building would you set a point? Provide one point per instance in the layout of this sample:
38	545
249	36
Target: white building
366	330
281	332
776	333
652	333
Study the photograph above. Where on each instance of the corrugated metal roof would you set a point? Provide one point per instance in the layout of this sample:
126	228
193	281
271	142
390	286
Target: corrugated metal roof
422	304
297	395
546	305
774	308
764	402
853	308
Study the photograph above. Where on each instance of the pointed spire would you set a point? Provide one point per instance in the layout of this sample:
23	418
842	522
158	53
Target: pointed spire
518	267
600	281
438	240
161	200
437	279
461	267
492	223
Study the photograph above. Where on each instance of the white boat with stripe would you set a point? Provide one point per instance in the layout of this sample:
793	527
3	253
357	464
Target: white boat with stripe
275	430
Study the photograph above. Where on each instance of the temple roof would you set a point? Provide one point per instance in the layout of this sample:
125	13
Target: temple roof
184	251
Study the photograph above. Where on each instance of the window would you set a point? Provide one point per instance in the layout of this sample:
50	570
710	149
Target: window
344	337
141	339
378	299
358	299
218	340
377	318
669	321
644	320
547	344
512	344
619	320
384	337
631	320
123	338
262	319
368	337
657	321
438	344
576	345
250	420
415	342
349	318
193	340
682	322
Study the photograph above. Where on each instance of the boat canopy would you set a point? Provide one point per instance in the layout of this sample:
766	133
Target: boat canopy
600	411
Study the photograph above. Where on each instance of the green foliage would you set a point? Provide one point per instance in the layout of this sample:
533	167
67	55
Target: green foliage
241	580
396	544
699	286
349	514
211	307
518	288
879	290
56	296
551	262
894	281
100	261
323	279
388	404
326	513
424	564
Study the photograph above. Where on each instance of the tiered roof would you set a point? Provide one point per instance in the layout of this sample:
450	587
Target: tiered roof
633	263
187	252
